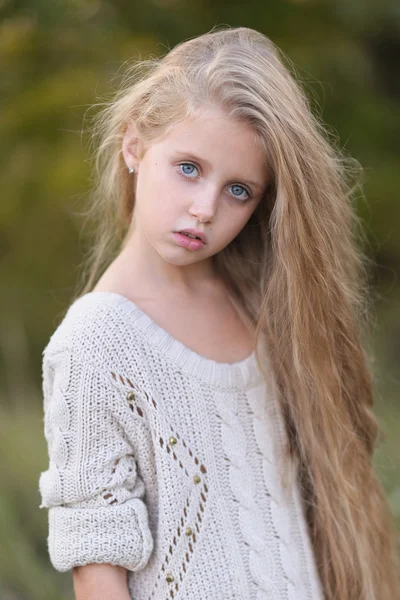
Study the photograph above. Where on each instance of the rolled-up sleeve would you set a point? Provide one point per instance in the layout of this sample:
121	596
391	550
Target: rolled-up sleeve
92	489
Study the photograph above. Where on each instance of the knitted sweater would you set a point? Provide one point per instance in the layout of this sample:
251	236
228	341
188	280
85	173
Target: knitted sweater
166	463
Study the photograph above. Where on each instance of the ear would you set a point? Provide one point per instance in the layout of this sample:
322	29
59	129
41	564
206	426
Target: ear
132	147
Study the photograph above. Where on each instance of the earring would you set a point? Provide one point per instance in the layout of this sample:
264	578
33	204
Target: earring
131	169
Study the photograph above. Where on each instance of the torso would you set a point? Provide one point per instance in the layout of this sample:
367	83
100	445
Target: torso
213	325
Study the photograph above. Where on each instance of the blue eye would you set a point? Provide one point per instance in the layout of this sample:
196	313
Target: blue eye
185	169
240	189
190	171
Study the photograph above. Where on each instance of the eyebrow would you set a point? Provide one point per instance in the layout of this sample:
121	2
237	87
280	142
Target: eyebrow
206	162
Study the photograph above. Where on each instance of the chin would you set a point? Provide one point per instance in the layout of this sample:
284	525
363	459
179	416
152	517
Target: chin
182	261
181	257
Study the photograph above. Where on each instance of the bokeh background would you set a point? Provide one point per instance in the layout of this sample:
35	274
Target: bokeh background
57	58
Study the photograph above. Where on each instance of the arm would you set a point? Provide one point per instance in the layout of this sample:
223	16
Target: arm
95	496
100	582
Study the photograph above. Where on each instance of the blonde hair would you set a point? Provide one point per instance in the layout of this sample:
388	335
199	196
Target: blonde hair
296	269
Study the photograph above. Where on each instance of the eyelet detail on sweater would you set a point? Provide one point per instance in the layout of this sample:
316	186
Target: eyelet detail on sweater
127	381
108	495
182	454
183	527
130	396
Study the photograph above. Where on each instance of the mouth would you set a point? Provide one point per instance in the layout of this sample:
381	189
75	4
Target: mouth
189	242
193	234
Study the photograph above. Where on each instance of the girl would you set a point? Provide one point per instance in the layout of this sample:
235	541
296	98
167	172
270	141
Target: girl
207	398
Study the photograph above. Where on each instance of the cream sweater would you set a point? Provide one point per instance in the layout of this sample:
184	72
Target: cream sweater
166	463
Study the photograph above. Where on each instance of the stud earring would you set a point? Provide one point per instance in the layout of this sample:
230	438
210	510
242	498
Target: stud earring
131	169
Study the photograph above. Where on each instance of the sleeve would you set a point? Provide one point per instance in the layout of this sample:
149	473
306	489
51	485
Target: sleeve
92	488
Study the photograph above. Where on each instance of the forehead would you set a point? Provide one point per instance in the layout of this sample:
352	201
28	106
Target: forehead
217	136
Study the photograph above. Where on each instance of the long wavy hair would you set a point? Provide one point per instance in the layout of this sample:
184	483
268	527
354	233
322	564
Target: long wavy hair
297	269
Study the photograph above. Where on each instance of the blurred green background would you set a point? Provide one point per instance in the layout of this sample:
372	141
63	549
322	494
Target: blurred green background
59	57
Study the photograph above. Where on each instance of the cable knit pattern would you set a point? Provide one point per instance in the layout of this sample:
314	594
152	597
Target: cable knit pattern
265	412
167	463
243	485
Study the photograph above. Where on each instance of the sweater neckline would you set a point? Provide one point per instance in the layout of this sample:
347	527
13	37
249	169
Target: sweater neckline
244	373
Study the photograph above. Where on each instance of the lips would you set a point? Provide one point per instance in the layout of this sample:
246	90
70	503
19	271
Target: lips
190	243
199	234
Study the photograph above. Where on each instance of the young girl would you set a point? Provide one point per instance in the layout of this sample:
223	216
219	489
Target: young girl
207	396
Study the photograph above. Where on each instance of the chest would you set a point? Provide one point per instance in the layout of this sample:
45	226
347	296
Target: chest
215	333
218	478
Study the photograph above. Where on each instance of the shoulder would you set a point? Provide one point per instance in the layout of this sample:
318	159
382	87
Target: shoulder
95	328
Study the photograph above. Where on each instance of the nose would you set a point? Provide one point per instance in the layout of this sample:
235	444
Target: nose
204	205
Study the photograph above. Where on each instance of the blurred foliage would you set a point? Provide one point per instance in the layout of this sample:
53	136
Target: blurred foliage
57	58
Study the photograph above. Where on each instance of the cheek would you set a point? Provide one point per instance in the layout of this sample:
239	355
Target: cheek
162	205
234	221
162	184
152	191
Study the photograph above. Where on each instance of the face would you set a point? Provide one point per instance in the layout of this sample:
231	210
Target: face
207	173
